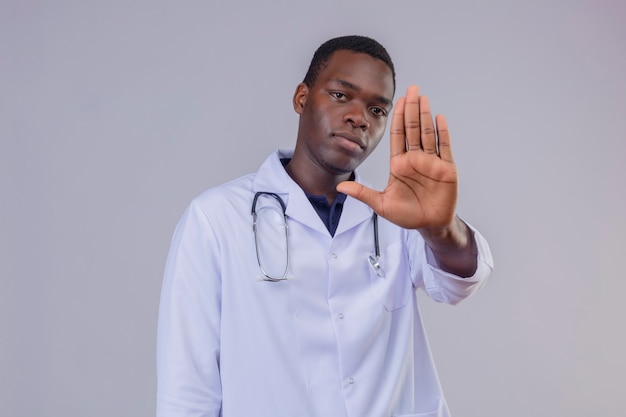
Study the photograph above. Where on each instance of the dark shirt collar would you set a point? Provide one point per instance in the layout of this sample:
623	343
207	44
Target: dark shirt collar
329	213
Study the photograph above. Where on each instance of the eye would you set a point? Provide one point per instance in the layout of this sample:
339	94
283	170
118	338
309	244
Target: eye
378	111
338	95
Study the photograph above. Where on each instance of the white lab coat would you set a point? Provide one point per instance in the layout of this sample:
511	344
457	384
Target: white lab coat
333	340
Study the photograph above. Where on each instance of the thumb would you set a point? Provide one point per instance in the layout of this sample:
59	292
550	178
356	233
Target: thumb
362	193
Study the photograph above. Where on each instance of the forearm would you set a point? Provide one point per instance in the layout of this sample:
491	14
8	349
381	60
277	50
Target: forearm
454	247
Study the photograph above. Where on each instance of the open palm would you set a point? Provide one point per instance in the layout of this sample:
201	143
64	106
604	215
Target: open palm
423	182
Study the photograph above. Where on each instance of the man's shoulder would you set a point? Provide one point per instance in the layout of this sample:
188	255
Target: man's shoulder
226	194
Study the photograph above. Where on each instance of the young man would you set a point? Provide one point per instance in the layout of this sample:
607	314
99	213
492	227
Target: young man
313	313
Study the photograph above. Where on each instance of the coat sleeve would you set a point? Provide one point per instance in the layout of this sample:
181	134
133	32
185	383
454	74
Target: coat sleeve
443	286
188	340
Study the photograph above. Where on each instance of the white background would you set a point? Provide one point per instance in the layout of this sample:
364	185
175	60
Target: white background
113	115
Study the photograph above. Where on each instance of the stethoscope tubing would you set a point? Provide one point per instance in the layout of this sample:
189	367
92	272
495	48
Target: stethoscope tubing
374	261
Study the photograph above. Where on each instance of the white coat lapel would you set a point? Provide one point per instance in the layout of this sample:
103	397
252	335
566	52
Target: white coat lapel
354	213
273	178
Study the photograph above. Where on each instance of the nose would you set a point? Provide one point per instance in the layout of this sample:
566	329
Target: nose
356	115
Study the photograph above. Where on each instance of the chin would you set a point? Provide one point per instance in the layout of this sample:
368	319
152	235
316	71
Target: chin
342	169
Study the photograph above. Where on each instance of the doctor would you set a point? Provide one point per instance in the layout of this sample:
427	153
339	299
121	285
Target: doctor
314	313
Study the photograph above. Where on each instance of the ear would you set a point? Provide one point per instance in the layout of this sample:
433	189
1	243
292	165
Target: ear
300	97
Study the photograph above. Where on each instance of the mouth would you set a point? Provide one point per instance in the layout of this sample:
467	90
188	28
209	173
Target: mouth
349	137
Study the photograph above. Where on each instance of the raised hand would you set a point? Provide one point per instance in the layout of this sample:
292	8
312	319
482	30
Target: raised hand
423	183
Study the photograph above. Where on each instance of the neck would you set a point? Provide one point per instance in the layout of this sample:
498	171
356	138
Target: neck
315	180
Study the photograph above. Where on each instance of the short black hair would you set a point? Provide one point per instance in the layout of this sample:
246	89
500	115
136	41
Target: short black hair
354	43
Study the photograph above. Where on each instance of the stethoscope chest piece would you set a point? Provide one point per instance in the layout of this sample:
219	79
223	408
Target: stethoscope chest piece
376	266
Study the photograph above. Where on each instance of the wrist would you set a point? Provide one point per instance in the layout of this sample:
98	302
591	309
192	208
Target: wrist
452	242
445	235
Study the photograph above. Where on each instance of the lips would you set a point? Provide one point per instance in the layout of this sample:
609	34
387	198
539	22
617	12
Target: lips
351	138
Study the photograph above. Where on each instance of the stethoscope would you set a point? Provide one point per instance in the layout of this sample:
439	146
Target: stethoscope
374	261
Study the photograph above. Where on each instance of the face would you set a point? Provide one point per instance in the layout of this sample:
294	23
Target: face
344	114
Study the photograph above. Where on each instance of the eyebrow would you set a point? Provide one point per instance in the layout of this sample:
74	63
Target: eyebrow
348	84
